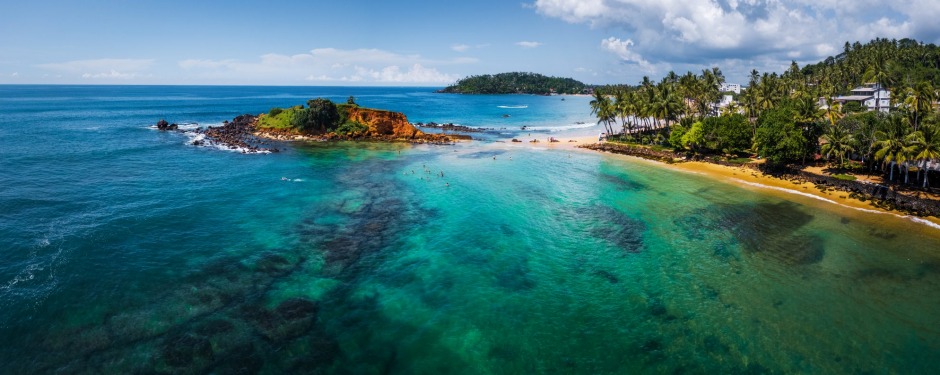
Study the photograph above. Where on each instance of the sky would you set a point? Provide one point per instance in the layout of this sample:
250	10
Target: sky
431	43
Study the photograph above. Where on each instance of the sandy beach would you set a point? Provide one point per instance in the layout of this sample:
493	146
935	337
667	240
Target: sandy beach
806	192
563	142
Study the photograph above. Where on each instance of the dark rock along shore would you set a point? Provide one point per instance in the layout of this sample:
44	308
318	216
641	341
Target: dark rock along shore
235	134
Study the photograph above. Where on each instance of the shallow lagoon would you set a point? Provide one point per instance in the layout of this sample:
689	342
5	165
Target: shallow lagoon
130	251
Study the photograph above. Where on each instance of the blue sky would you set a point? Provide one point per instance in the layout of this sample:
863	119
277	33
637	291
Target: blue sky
431	43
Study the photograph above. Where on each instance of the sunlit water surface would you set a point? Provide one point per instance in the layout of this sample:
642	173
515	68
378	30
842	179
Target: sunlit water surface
126	250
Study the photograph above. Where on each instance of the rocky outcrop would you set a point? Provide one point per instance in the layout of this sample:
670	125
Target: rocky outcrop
451	127
384	124
238	134
165	126
641	152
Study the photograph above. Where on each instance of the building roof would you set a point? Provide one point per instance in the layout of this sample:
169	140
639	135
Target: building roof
853	98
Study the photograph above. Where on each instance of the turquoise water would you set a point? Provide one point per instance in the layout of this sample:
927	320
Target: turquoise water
126	250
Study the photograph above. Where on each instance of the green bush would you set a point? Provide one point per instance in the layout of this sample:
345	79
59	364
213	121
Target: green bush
351	128
281	120
675	136
844	177
739	161
321	115
275	111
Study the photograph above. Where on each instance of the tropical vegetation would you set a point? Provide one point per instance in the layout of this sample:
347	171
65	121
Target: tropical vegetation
319	117
515	83
791	118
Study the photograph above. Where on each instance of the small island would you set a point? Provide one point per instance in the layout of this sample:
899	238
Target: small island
320	120
516	83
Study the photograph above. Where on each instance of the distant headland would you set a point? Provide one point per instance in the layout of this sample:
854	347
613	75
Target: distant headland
516	83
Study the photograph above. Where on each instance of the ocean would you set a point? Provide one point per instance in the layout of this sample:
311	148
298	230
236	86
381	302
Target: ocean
128	250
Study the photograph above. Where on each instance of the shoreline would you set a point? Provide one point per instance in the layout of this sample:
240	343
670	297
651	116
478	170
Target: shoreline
754	179
750	178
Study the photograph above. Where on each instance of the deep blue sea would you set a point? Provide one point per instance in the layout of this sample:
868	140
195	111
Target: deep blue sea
128	250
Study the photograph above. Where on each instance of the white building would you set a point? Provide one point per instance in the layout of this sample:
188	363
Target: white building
731	87
871	96
725	101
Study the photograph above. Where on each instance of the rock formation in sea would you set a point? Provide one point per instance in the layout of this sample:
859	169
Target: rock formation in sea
247	133
384	123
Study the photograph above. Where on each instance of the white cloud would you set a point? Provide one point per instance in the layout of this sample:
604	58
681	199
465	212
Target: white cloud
572	11
824	49
460	47
417	73
528	44
122	69
113	74
15	74
329	65
621	48
705	31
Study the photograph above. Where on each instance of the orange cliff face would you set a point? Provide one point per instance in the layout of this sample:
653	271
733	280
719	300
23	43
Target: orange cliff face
384	123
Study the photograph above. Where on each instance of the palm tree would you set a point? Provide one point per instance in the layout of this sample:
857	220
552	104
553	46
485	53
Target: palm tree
625	106
807	110
604	109
833	111
891	146
667	104
731	108
920	100
838	143
925	145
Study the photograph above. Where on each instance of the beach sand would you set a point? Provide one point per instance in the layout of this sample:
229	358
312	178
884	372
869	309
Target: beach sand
748	178
563	142
805	192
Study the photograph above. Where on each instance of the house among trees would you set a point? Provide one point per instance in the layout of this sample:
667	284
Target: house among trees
730	87
871	96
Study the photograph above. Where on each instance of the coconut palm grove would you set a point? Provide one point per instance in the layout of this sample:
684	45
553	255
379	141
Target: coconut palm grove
793	117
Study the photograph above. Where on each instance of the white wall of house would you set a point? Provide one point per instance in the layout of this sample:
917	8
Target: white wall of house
731	87
872	96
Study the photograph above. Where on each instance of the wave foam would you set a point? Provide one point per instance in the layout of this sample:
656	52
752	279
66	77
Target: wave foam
200	140
513	106
562	127
790	191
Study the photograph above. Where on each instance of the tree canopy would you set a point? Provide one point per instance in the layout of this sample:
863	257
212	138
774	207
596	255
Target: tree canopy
515	83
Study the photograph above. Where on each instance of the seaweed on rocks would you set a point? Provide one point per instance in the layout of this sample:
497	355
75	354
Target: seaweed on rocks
771	230
183	350
292	318
606	275
515	277
624	232
219	318
624	183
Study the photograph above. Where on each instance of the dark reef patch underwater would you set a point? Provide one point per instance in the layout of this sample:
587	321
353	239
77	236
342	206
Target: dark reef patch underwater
127	250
